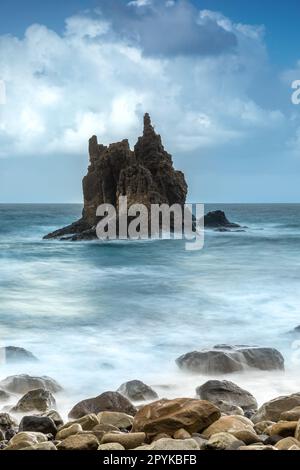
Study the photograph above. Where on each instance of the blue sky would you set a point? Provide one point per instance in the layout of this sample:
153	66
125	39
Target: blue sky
215	75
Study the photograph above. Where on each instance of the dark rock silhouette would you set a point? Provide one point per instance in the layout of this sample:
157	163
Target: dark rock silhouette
145	175
218	220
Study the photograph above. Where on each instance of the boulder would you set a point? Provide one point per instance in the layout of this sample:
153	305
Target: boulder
136	390
55	416
286	443
261	426
167	416
291	415
111	446
69	431
87	422
13	354
35	400
271	410
221	441
25	439
228	409
181	434
170	444
42	424
79	442
113	418
229	424
129	440
107	401
228	392
41	446
282	428
223	359
24	383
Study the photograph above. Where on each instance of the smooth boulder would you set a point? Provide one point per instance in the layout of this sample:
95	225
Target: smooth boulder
136	390
167	416
13	354
228	392
42	424
107	401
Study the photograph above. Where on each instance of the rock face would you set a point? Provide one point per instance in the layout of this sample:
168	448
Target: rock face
224	359
145	175
167	416
107	401
136	390
24	383
228	392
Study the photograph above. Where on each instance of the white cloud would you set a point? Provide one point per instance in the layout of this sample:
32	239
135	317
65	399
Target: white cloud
61	89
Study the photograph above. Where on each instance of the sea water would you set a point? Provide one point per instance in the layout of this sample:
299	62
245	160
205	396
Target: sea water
98	314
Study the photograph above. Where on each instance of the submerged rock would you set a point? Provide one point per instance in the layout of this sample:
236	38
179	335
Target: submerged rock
136	390
228	392
4	396
224	359
15	354
107	401
145	175
24	383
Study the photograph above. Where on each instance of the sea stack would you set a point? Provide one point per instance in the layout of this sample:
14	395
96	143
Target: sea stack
145	175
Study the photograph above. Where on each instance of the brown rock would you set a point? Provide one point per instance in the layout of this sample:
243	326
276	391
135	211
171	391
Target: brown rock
282	428
107	401
257	447
127	440
260	428
182	434
291	415
271	410
230	424
79	442
286	443
167	416
119	420
221	441
39	399
247	436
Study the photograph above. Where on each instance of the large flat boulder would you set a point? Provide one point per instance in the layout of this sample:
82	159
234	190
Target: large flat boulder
224	359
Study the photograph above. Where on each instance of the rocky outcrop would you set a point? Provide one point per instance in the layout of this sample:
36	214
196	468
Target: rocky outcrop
145	175
224	359
218	220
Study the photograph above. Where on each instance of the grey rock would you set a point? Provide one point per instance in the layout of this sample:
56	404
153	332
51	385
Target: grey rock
24	383
107	401
39	399
136	390
228	392
42	424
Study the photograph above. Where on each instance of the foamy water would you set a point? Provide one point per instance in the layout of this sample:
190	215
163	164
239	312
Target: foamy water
99	314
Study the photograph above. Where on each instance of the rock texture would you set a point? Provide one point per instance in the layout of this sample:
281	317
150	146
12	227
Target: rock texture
24	383
136	390
224	359
218	220
145	175
107	401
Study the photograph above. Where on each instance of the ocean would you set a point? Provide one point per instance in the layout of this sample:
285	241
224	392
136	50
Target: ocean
98	314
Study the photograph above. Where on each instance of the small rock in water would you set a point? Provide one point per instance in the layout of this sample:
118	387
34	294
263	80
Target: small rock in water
218	220
42	424
39	399
107	401
24	383
15	354
228	392
136	390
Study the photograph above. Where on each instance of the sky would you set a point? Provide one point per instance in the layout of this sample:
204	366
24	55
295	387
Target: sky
215	75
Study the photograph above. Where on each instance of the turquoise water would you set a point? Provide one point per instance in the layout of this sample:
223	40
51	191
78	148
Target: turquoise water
97	314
